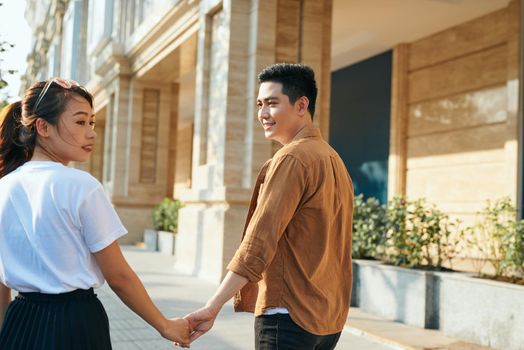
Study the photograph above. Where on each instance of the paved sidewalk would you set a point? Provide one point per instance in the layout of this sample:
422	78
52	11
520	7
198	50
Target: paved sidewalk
176	295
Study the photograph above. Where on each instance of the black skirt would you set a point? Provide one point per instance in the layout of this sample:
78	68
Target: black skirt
74	320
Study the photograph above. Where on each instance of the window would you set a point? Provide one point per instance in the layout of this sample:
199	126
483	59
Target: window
100	11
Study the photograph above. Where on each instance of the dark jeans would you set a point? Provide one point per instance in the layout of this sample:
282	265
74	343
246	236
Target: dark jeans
278	331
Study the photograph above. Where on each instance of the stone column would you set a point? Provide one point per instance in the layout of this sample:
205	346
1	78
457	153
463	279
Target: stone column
520	164
237	38
200	241
399	102
512	126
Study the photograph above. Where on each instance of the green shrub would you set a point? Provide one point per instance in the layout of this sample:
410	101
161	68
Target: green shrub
420	235
514	250
165	215
499	239
417	234
369	228
397	248
430	235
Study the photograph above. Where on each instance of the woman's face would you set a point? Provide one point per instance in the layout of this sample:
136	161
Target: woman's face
72	139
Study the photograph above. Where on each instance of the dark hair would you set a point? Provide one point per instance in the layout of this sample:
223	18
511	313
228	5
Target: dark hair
297	80
17	121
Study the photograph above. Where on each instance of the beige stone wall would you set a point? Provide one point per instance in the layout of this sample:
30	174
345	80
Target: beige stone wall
184	145
453	124
142	176
303	34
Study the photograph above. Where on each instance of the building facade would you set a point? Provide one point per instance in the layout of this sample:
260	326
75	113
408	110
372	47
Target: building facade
420	99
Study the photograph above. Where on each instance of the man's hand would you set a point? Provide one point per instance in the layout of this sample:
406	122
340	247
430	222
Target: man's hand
177	330
201	321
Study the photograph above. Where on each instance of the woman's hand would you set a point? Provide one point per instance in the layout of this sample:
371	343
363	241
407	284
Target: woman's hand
178	330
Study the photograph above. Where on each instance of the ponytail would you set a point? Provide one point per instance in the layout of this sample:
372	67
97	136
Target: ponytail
16	141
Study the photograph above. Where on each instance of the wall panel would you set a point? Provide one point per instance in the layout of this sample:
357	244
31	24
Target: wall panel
486	106
464	39
468	73
150	114
460	132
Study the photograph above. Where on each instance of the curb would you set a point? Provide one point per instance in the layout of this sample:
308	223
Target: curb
386	341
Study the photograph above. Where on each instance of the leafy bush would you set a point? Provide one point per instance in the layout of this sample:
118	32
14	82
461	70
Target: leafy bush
369	227
397	248
429	236
417	235
165	215
514	254
499	239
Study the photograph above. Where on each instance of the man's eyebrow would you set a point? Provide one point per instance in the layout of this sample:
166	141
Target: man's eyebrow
268	98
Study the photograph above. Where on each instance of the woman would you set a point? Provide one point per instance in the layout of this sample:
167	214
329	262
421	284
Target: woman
58	231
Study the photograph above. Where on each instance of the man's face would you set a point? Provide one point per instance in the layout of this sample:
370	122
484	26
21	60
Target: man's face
278	116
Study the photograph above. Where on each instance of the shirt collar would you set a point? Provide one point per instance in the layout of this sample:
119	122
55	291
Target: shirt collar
306	132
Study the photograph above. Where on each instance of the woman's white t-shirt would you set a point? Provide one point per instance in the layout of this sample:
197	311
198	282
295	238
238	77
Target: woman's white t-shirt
52	219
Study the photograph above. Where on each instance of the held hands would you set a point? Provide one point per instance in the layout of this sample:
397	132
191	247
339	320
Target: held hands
201	321
178	330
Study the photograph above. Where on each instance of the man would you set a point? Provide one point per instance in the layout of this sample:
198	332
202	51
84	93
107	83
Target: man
297	240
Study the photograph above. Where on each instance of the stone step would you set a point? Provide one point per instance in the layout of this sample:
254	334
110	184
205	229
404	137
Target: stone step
401	336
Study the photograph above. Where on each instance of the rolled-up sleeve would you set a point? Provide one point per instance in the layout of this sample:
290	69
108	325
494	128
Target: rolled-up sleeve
280	196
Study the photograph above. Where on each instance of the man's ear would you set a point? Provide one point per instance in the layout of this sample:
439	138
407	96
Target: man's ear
42	127
302	105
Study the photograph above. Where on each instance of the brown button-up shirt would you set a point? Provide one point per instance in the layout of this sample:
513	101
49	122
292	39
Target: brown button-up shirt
297	239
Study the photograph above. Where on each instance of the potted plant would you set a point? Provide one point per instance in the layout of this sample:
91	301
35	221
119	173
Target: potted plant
165	221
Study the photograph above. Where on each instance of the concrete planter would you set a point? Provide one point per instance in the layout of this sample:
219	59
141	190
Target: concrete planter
166	242
151	239
395	293
486	312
